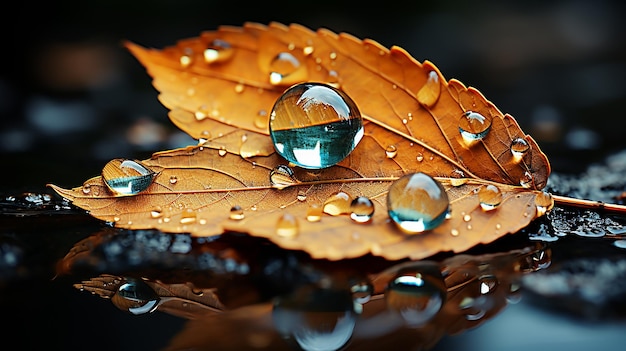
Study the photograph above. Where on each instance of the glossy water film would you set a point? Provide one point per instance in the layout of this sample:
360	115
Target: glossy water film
417	202
314	125
127	177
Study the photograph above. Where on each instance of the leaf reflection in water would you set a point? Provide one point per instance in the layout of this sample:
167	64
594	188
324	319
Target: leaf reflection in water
288	301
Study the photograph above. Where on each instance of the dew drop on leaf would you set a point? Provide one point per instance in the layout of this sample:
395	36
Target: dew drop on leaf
236	213
337	204
391	151
282	176
222	151
156	212
314	125
489	197
286	69
473	126
287	226
314	213
488	283
188	216
519	147
218	51
429	93
127	177
417	202
416	293
544	202
361	209
527	180
136	297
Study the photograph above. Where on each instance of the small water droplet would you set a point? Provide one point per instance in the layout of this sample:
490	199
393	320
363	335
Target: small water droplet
287	226
391	151
417	202
314	213
222	151
417	293
419	157
519	147
282	176
286	69
454	232
361	209
488	283
489	197
236	213
301	196
156	212
188	216
86	189
186	59
527	180
467	218
429	93
473	126
314	125
307	50
173	180
239	88
337	204
218	51
127	177
544	203
260	120
457	178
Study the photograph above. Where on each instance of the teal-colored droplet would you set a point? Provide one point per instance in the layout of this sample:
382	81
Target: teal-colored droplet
315	125
127	177
417	202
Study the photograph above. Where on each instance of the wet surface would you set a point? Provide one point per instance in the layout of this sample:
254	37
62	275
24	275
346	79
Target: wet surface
70	282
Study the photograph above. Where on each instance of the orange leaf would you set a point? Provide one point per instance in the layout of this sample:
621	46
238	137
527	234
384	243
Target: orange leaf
220	88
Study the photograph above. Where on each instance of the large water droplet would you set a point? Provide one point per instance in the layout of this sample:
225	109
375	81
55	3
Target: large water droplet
127	177
282	176
417	202
337	204
429	93
473	126
544	203
489	197
361	209
136	297
314	125
286	69
519	147
417	293
218	51
287	226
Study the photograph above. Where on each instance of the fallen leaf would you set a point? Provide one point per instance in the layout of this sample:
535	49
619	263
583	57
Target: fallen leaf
406	105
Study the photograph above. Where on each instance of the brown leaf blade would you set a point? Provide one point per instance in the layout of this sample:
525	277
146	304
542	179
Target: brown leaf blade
406	104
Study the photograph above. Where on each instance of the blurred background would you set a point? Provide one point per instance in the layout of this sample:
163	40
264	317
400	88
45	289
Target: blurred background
72	98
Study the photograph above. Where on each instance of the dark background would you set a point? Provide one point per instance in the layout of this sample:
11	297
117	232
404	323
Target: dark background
72	98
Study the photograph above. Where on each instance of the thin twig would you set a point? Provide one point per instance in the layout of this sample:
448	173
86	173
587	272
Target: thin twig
589	204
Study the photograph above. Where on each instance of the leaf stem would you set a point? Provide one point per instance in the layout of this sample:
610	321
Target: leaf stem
589	204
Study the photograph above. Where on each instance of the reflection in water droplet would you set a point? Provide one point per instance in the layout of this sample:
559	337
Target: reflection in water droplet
361	209
127	177
285	68
527	180
287	226
417	292
136	297
417	202
314	213
282	176
337	204
429	93
489	197
391	151
519	147
218	51
316	318
473	126
314	125
236	213
544	202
